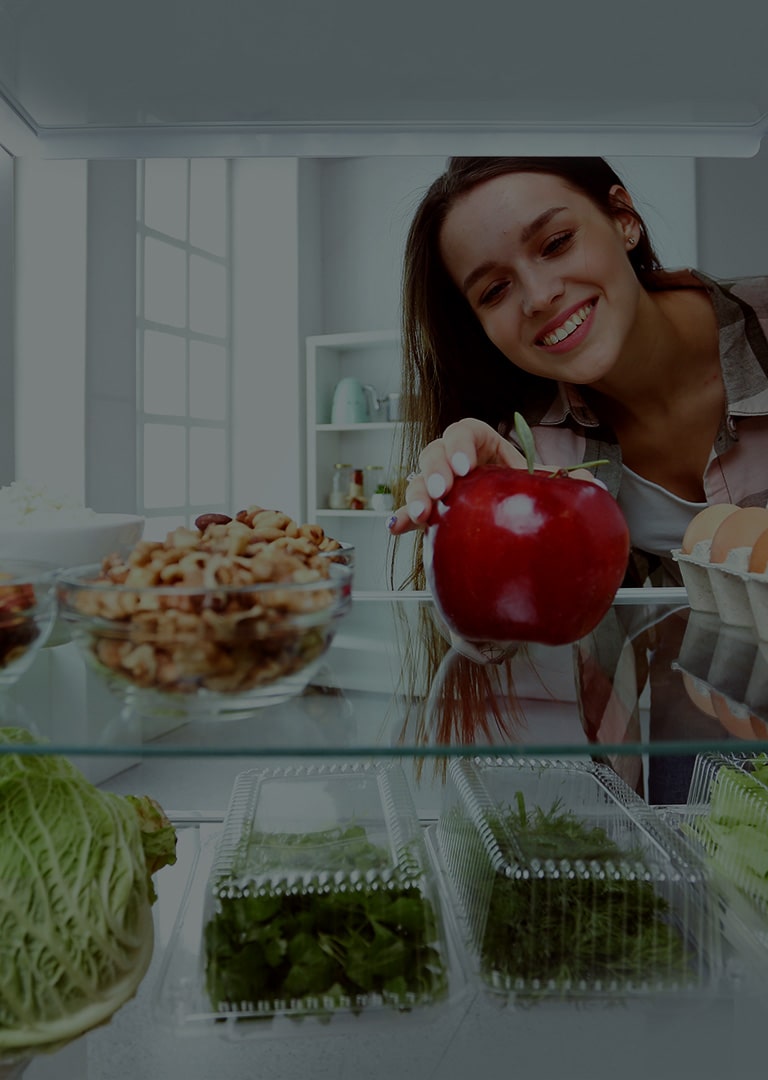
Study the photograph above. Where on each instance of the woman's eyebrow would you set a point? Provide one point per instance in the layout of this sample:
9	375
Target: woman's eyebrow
526	233
539	222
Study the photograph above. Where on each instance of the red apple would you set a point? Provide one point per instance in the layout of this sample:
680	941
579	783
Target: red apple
512	555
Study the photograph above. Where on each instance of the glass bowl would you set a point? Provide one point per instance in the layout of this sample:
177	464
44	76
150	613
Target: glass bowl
27	614
220	651
344	555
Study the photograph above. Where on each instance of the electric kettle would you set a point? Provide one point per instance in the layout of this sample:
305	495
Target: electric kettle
353	402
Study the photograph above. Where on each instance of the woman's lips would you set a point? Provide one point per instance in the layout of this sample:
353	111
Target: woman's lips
580	318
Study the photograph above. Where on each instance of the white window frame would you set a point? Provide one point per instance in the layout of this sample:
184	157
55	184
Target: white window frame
185	509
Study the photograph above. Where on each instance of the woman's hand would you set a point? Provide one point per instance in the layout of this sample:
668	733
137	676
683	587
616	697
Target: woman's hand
463	446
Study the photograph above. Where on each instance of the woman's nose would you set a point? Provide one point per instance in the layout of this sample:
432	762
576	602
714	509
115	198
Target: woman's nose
540	289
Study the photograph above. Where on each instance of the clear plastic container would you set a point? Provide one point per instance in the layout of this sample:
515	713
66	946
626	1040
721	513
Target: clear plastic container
727	817
319	902
569	887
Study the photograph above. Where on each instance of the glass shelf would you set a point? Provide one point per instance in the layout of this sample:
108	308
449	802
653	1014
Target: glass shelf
654	679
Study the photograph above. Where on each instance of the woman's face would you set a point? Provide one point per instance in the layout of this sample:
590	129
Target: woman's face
546	272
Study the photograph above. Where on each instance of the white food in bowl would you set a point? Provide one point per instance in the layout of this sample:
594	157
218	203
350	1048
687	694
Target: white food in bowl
50	528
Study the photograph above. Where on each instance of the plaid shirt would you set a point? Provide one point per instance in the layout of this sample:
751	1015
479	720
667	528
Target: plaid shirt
737	469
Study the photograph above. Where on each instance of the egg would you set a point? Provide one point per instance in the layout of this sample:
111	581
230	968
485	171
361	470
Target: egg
704	524
738	720
758	559
738	530
699	694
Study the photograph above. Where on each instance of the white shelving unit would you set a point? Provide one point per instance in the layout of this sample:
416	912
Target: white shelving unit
373	357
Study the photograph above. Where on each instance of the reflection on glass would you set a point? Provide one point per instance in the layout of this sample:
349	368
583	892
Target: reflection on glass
614	692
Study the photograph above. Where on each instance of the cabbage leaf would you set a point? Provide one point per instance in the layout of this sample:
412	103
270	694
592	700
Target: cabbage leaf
76	930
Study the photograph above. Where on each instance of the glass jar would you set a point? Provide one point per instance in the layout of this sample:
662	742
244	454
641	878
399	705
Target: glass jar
340	485
357	490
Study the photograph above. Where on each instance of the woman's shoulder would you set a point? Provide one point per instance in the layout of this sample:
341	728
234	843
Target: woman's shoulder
733	297
751	290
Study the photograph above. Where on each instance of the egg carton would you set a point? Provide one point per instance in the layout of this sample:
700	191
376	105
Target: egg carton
738	596
725	665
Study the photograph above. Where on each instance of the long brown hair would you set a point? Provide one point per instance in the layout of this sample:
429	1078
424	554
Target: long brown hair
451	370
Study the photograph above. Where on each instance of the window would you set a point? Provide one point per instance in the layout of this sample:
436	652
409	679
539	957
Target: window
183	340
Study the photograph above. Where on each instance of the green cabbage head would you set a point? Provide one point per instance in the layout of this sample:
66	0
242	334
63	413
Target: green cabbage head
76	930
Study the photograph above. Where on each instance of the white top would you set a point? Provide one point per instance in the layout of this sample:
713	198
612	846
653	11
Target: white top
657	519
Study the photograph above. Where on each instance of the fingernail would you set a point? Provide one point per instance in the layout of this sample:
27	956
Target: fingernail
415	509
392	522
460	463
436	485
599	483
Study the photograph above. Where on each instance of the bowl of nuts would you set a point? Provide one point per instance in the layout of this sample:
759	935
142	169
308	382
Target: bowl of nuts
27	614
214	621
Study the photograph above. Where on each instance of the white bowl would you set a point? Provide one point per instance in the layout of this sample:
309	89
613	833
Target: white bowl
67	545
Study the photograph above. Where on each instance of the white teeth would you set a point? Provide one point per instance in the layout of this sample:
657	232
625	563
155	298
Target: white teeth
572	323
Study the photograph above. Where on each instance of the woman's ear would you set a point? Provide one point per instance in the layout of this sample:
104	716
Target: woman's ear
624	214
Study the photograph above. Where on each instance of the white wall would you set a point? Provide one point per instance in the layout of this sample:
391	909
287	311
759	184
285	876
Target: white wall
367	204
50	224
732	217
268	391
110	376
7	318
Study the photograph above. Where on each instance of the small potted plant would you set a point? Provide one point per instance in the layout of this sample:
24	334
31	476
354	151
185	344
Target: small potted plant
382	498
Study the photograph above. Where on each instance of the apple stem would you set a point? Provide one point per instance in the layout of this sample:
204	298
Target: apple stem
525	436
582	465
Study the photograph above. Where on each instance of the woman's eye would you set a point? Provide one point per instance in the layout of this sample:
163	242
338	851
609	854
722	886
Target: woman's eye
557	243
492	293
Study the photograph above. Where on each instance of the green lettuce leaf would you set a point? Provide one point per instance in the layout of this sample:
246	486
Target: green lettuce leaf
76	933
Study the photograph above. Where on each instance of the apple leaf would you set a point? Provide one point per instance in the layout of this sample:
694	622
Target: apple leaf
525	436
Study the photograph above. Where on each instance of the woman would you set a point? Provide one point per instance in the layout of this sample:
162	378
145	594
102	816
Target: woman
531	285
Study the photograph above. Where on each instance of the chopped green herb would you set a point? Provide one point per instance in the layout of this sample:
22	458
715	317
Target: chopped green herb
325	941
555	926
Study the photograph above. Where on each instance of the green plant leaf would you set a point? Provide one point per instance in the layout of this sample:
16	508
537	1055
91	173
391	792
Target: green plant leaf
525	437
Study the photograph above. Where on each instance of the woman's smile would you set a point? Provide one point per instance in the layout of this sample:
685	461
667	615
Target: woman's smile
567	331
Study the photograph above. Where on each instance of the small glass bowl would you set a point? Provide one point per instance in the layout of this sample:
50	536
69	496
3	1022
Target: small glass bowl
217	651
343	555
27	614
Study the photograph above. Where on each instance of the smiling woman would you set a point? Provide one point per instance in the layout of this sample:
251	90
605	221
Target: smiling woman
531	285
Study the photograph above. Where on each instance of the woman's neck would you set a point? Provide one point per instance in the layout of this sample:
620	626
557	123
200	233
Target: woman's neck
671	362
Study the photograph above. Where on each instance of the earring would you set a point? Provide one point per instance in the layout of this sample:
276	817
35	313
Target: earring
631	241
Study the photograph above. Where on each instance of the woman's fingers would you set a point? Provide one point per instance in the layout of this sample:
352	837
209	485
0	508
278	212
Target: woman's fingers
463	446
